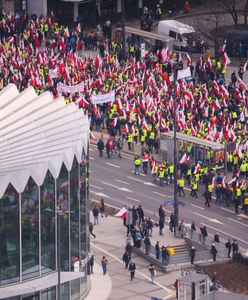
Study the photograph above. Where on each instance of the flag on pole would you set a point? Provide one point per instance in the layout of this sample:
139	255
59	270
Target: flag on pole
122	213
184	159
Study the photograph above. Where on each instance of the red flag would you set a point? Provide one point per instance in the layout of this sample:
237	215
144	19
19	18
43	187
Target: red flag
223	184
241	84
197	168
184	159
188	59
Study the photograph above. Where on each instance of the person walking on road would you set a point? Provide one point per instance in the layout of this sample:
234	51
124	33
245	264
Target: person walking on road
235	247
137	162
91	262
157	249
91	226
95	212
102	207
214	251
132	268
152	272
204	233
104	265
192	255
147	243
100	147
229	248
126	259
161	225
141	214
217	238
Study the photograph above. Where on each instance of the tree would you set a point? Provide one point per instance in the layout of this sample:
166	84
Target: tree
232	7
245	12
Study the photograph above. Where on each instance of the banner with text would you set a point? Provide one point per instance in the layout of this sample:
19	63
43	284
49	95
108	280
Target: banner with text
70	89
97	99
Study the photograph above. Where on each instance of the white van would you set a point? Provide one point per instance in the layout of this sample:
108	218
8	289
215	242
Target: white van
180	32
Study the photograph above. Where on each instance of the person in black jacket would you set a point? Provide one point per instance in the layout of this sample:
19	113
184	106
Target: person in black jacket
132	268
126	259
100	147
192	254
214	251
157	249
229	248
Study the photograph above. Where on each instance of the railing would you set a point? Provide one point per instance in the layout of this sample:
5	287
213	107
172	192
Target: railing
216	295
206	242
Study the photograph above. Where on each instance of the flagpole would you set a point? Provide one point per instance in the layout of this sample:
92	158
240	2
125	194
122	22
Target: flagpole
176	210
123	17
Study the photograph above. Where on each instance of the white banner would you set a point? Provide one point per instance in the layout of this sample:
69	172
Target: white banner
53	73
97	99
183	73
70	89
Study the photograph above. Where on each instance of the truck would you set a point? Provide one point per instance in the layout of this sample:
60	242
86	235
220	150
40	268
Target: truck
182	34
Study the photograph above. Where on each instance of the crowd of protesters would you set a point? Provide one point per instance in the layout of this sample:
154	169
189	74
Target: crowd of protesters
39	52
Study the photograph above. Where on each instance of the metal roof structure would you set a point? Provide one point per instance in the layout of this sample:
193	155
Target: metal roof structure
37	134
195	140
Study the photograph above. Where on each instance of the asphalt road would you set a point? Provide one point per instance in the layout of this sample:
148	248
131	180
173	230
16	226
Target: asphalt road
113	179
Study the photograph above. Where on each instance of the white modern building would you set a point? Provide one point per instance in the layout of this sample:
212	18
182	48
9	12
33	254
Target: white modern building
43	169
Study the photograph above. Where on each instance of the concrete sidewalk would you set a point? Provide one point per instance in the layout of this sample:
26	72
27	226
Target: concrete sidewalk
110	241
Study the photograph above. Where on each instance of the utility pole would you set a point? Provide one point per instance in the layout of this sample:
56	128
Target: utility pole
176	210
123	19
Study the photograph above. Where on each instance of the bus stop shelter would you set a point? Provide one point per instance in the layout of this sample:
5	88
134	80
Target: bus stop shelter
199	149
150	39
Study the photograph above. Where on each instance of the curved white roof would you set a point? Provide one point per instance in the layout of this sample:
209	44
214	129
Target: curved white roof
37	133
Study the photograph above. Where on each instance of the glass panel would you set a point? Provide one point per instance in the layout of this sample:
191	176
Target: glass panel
9	237
49	294
83	282
74	207
34	296
83	191
47	208
62	194
65	291
30	230
75	289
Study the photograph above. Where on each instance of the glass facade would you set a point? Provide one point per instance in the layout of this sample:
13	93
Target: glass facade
9	237
47	224
28	230
63	204
74	216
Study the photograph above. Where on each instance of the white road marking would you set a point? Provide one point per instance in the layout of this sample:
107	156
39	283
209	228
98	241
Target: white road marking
197	206
112	165
209	219
138	272
127	183
187	189
141	174
227	234
91	150
109	184
238	222
162	194
149	183
99	194
243	216
96	187
229	210
135	179
92	158
125	190
133	199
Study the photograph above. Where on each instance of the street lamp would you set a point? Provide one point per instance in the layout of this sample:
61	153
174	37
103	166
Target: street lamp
176	210
60	213
123	22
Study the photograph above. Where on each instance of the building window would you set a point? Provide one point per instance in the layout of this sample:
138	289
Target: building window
62	196
30	230
83	207
47	208
9	237
74	207
49	294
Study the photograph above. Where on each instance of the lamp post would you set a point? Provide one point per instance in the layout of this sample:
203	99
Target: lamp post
176	210
60	213
123	23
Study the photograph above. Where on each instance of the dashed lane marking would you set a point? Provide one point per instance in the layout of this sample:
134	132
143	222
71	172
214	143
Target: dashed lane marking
112	165
197	206
124	182
133	199
238	222
226	209
135	179
167	196
96	187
